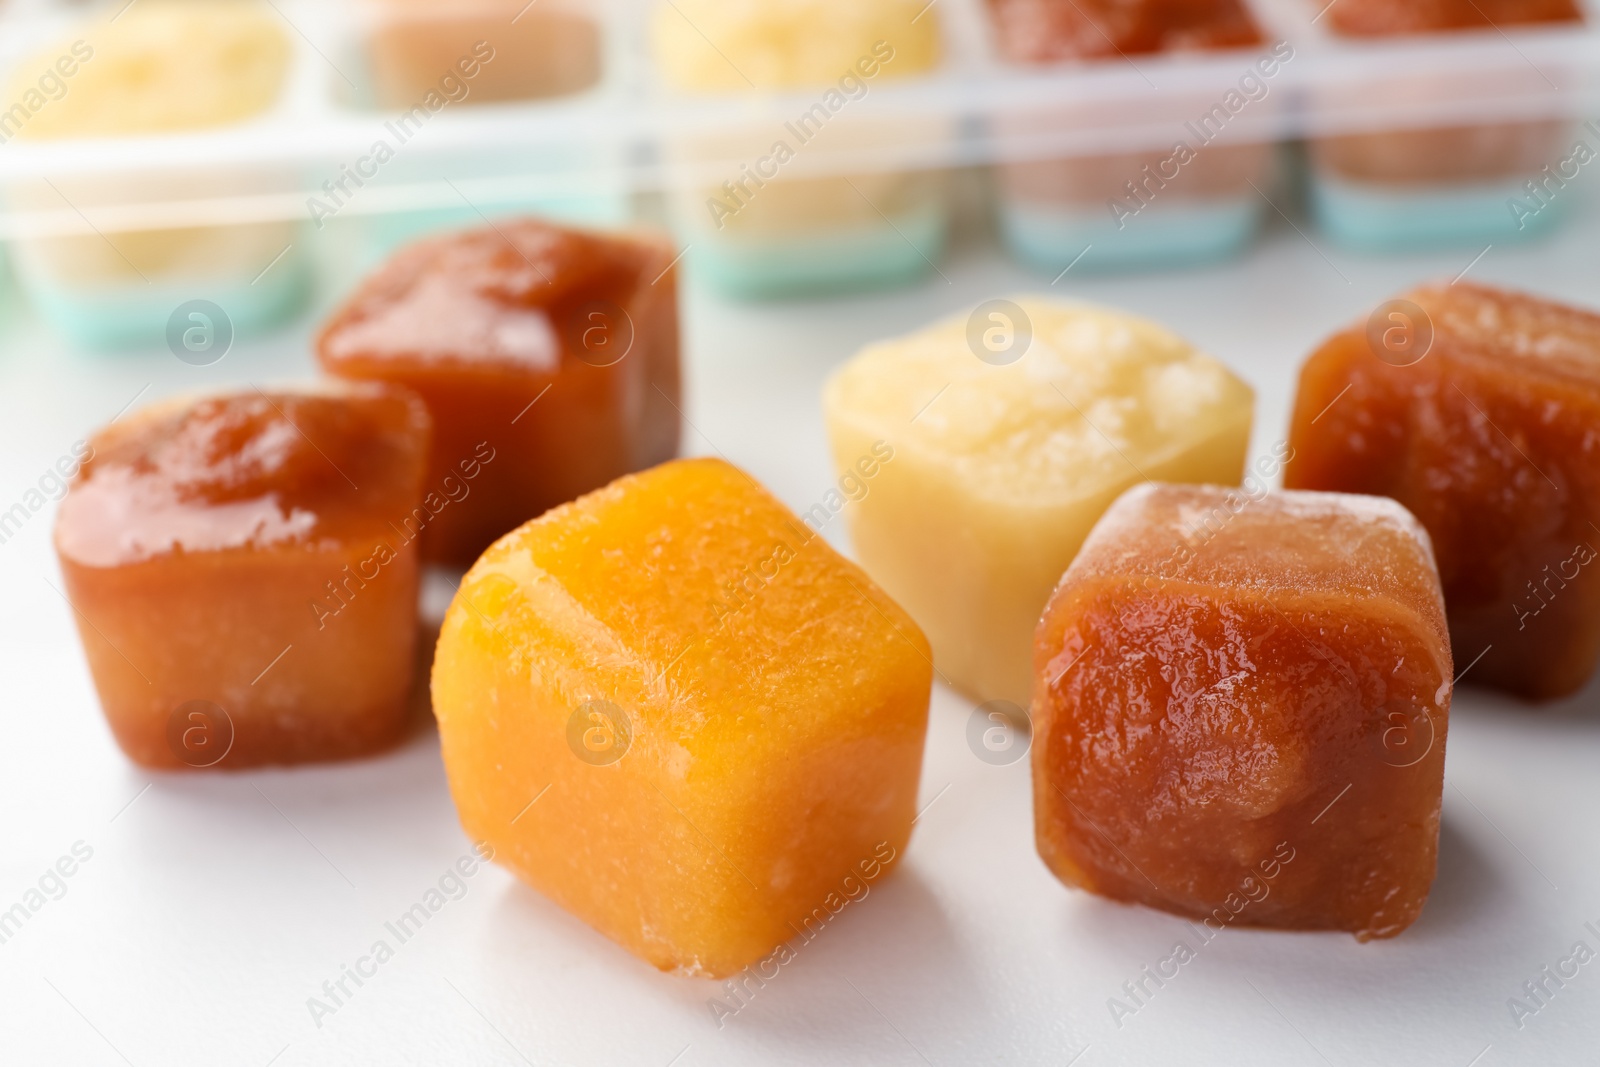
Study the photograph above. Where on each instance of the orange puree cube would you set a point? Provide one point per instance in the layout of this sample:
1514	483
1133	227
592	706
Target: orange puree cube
675	711
1480	411
1240	707
242	596
547	356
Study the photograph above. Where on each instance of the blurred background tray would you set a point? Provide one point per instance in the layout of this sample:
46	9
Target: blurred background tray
611	136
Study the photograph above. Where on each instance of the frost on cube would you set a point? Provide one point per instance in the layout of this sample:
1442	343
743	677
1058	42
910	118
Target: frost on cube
674	710
1012	429
1479	410
242	595
1240	712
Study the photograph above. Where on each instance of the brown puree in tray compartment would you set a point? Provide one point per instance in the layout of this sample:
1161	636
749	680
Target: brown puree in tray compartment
1036	32
1043	31
1451	154
1388	18
241	590
501	50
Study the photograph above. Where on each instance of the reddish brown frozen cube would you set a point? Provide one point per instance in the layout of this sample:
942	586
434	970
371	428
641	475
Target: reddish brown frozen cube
242	594
547	356
1240	707
1481	414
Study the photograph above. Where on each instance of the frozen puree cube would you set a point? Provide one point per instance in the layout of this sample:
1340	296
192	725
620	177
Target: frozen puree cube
481	324
240	591
721	720
1240	707
1000	468
1480	411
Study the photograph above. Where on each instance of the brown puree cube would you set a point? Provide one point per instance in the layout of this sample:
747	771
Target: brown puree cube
1240	708
1492	439
242	594
481	325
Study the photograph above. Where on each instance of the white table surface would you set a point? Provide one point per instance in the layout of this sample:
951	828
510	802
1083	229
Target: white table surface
215	905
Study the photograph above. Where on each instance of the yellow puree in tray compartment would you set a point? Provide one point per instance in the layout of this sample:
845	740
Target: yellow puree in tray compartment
160	66
719	45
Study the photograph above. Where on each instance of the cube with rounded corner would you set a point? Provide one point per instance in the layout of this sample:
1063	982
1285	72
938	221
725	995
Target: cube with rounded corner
1240	714
548	357
1478	409
675	711
240	592
1012	428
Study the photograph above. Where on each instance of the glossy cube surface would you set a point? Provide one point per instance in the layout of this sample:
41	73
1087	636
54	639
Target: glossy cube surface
1491	436
547	356
240	591
676	712
1002	462
1240	710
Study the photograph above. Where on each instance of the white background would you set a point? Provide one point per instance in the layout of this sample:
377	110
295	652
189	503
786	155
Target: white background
216	904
